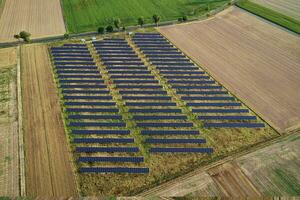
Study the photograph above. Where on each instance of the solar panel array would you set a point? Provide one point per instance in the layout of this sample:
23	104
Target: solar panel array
158	118
100	134
209	100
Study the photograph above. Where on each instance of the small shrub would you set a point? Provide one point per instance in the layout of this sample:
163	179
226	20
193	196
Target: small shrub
141	21
101	30
180	19
184	18
66	35
109	29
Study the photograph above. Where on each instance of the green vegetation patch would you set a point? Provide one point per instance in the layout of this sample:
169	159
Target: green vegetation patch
271	15
287	182
89	15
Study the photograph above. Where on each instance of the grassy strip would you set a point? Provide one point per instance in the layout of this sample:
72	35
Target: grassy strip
271	15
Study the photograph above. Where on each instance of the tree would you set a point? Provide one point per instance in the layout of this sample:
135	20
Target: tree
101	30
109	29
25	36
17	36
184	18
141	21
117	23
180	19
66	36
124	28
156	19
208	7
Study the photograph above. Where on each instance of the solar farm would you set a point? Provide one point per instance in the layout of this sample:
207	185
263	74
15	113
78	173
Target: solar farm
137	108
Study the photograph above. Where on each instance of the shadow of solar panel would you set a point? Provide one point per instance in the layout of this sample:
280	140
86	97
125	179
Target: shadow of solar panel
136	110
141	86
180	150
83	86
202	92
74	63
88	97
92	110
107	149
98	124
215	104
71	55
175	141
138	170
159	117
103	140
77	72
150	104
136	81
186	77
110	117
189	68
101	132
79	76
85	92
169	132
230	117
128	72
199	87
167	124
220	110
146	98
234	125
111	159
191	82
205	98
73	59
142	92
181	72
83	81
80	67
88	103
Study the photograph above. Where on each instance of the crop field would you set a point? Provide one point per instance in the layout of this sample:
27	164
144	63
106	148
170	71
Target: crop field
260	66
9	162
48	164
135	120
288	7
41	18
82	15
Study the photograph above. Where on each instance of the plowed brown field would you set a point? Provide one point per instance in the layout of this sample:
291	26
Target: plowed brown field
255	60
39	17
47	161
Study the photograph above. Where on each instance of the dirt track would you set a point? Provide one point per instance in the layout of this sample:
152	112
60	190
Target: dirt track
39	17
256	61
48	165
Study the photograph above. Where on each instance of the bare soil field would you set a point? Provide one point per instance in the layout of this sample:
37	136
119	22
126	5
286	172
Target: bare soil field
48	166
256	61
9	160
288	7
39	17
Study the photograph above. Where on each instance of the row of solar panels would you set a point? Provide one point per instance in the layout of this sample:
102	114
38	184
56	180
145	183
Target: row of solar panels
147	140
151	150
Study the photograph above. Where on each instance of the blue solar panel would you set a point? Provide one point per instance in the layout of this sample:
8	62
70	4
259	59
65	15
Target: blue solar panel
79	76
171	63
159	117
191	82
229	117
88	97
101	132
205	98
99	124
181	72
107	149
150	104
113	48
77	72
234	125
220	110
106	45
202	92
111	117
175	141
161	55
180	150
76	66
169	132
190	68
132	55
135	81
171	49
111	159
71	55
103	140
161	98
74	63
80	67
83	81
187	77
126	68
73	59
155	45
215	104
142	92
133	110
140	86
182	59
72	103
128	72
138	170
165	52
121	59
111	53
167	124
138	43
75	44
85	92
83	86
69	48
199	87
92	110
69	51
122	63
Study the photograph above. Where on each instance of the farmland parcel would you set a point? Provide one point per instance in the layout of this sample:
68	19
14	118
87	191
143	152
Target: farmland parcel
255	60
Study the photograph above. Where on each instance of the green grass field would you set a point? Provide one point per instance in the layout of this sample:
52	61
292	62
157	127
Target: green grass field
271	15
88	15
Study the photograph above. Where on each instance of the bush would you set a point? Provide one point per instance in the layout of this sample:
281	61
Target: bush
180	19
25	36
101	30
156	19
66	36
141	21
124	28
109	29
117	23
184	18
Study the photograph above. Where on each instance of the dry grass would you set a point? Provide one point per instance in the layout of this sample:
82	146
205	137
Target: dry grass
48	165
255	60
39	17
8	57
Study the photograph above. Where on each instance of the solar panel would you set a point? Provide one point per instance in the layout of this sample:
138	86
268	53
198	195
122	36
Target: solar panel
138	170
88	97
85	92
69	48
159	117
187	77
72	103
146	98
74	63
167	124
161	55
103	140
165	52
215	104
121	59
75	44
107	149
77	72
150	104
234	125
84	81
123	63
71	55
171	63
182	59
190	68
220	110
135	81
175	141
158	45
84	86
191	82
136	110
202	92
111	159
111	117
132	55
140	86
101	132
79	76
99	124
131	77
170	49
92	110
199	87
76	66
181	72
169	132
128	72
73	59
126	68
113	48
180	150
205	98
80	67
229	117
142	92
69	51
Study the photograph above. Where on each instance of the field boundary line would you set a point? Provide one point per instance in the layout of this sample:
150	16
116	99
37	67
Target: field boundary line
20	127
